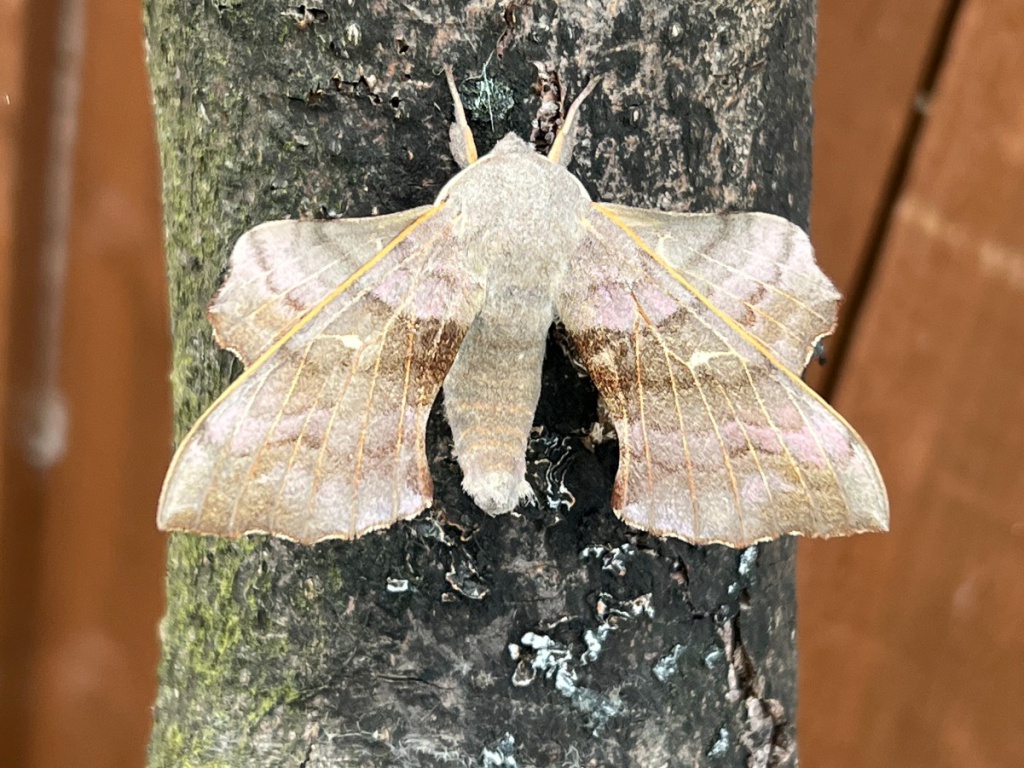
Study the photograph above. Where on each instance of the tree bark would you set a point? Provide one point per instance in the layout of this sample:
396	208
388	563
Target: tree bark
557	636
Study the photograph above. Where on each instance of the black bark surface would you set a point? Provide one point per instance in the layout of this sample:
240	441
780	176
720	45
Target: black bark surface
553	637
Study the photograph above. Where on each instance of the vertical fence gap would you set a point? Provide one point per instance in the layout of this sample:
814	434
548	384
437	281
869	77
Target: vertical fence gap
893	190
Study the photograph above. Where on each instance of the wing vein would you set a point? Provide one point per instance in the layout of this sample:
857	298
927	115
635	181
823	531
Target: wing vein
767	286
319	225
640	394
760	403
277	297
718	434
227	444
682	434
295	448
620	221
425	249
318	470
268	435
753	308
353	297
400	438
820	447
732	407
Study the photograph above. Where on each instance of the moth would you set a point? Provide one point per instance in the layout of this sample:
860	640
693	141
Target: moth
694	328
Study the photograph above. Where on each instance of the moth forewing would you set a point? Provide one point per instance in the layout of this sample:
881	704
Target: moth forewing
720	440
323	434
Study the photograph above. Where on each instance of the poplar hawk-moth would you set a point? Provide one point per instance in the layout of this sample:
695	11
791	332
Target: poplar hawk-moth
694	328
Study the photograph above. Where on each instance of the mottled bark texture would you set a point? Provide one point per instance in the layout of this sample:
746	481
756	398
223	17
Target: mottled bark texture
554	637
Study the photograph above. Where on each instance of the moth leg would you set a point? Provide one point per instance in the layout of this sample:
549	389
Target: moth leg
561	149
463	147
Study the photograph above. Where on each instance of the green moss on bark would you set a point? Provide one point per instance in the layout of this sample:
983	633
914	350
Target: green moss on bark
224	647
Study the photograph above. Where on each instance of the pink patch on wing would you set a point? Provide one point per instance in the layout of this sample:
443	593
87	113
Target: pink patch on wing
657	305
764	439
833	437
753	491
804	447
612	308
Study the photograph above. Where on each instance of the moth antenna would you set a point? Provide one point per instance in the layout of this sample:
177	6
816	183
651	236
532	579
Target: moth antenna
462	144
561	149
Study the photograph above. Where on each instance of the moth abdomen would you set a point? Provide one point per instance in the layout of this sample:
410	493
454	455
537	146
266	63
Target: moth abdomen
491	395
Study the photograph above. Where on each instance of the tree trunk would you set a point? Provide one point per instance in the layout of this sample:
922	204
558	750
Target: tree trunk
557	636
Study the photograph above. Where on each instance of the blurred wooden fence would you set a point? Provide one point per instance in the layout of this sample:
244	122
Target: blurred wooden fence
912	644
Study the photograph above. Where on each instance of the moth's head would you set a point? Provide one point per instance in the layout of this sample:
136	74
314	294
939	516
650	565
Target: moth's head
511	144
513	172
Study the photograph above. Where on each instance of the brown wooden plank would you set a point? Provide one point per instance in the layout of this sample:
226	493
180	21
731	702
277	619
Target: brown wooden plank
11	36
96	558
872	59
24	47
912	643
872	55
